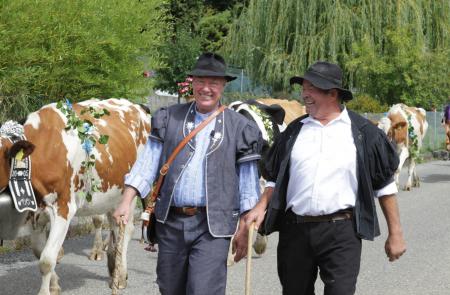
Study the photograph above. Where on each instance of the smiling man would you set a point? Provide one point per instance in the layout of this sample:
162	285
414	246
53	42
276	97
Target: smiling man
324	172
208	188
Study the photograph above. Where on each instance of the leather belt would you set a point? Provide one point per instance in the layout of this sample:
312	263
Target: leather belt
345	214
189	211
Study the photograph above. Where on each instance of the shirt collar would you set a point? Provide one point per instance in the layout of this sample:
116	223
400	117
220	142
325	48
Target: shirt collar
343	116
202	116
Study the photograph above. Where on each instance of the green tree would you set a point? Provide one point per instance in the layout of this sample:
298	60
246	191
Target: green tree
196	26
274	40
76	49
404	71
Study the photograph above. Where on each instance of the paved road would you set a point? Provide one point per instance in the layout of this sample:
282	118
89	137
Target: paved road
424	269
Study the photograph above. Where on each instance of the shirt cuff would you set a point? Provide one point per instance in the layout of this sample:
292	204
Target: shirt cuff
270	184
138	183
248	204
389	189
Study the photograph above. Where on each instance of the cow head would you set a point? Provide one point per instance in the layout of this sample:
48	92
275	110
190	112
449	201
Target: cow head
9	150
395	127
275	112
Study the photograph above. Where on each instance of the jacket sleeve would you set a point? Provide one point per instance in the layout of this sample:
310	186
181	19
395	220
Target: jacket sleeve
272	159
159	124
383	160
249	143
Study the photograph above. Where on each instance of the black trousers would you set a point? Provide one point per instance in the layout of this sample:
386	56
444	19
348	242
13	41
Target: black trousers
331	247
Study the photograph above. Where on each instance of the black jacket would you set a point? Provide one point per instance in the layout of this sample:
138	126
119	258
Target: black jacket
377	161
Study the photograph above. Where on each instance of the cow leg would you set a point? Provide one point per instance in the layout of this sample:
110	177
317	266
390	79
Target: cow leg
411	172
97	249
47	262
403	155
230	258
111	252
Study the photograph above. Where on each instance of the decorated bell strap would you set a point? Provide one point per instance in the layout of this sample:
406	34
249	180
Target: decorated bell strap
20	181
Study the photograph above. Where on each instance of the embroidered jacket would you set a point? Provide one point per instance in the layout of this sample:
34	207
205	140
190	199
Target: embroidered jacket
234	140
376	164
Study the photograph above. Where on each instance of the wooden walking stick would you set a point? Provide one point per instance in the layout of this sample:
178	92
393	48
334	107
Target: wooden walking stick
248	270
118	259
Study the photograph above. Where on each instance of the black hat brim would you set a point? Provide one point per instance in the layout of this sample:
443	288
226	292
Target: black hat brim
208	73
321	83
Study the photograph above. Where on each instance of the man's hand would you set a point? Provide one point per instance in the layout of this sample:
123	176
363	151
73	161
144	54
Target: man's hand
122	212
395	246
240	240
255	215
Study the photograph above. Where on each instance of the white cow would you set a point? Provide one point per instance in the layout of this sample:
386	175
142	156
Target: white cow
272	116
406	127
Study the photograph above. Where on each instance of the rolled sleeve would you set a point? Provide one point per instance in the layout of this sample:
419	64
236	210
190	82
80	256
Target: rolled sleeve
249	144
249	190
144	170
389	189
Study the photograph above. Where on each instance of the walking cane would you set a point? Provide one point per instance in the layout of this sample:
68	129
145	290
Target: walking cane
118	259
248	271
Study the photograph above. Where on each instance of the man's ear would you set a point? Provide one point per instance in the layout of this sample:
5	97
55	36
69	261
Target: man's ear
21	146
335	93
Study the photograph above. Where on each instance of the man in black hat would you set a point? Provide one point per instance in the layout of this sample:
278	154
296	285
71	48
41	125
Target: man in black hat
325	171
212	182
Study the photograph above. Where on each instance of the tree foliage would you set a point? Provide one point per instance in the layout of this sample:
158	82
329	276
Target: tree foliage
79	49
274	40
405	72
196	26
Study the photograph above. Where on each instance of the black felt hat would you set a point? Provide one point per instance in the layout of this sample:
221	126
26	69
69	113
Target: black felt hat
211	65
324	75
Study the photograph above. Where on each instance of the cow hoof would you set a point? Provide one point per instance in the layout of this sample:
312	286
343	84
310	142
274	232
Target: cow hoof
55	290
407	188
60	255
122	285
96	255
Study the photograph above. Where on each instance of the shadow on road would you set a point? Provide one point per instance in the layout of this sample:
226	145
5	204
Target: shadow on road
433	178
27	280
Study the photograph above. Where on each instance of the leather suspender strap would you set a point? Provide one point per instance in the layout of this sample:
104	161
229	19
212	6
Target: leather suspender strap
172	157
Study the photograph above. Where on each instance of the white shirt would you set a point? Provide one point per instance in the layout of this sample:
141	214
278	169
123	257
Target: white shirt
323	175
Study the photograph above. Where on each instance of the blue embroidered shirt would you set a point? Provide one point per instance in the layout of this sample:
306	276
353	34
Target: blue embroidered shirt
190	189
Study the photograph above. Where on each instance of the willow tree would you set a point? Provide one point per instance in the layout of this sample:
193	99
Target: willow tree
273	40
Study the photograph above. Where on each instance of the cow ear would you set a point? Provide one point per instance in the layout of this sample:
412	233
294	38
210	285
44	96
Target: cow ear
277	113
21	146
399	125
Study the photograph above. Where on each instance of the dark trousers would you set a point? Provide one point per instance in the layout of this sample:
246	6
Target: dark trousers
190	260
331	247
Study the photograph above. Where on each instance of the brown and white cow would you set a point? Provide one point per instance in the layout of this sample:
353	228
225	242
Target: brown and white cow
281	112
406	127
57	178
446	124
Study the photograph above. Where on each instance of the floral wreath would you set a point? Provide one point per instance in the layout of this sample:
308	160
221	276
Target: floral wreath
268	125
414	141
185	89
85	131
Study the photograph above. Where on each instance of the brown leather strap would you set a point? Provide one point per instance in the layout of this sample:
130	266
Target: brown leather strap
166	166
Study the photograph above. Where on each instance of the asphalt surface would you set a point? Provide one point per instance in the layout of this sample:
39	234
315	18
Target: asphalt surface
424	269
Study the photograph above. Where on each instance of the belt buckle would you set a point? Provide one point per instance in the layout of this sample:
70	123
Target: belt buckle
190	211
